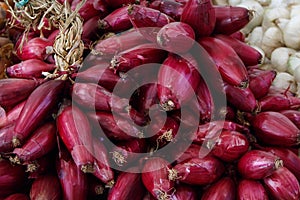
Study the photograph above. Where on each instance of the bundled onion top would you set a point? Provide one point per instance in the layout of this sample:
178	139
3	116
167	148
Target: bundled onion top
157	99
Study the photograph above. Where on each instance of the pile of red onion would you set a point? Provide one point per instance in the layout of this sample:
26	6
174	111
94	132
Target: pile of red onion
168	103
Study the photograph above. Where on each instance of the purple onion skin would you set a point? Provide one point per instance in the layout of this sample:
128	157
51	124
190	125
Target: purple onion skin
282	185
251	190
273	128
223	189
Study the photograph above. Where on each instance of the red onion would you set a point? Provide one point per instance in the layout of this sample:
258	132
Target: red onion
14	90
197	171
178	78
90	8
193	151
212	129
176	37
147	20
274	128
46	187
126	153
283	185
75	132
137	56
260	81
223	189
118	43
41	142
251	190
6	137
39	105
29	69
200	15
249	55
293	115
230	146
35	48
116	127
230	19
12	178
102	166
90	32
129	186
229	64
241	98
290	159
160	131
258	164
144	98
185	192
93	96
116	21
73	181
239	35
155	178
41	166
169	7
277	102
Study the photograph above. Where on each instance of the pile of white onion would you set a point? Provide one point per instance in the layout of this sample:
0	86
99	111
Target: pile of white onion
275	29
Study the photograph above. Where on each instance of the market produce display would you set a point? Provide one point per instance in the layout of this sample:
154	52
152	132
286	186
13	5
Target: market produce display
149	99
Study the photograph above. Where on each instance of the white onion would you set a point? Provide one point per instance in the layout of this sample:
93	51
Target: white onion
272	14
272	39
291	33
293	63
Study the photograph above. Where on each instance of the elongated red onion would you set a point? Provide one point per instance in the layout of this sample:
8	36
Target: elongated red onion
249	55
102	166
260	81
90	8
200	15
274	128
147	20
39	105
126	153
283	185
293	115
178	78
241	98
160	131
118	3
224	189
115	127
41	142
230	19
258	164
116	21
46	187
251	190
73	181
230	146
169	7
155	178
229	64
277	102
31	68
75	131
129	186
118	43
12	178
15	90
12	115
35	48
290	159
185	192
6	137
136	56
197	171
176	37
